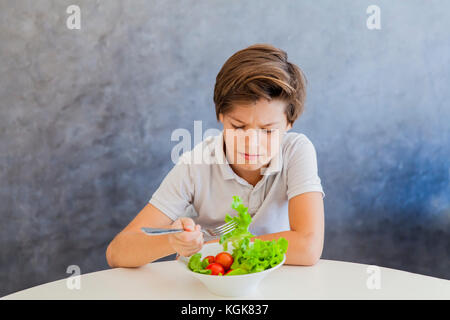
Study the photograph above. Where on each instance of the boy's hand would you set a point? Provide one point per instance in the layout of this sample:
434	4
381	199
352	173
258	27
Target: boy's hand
188	242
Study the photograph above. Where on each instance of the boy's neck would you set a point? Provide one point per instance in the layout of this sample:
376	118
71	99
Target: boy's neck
252	177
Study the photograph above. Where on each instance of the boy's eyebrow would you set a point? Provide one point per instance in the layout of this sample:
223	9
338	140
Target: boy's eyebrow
264	125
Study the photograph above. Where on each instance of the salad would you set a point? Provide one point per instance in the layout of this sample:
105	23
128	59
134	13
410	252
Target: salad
247	256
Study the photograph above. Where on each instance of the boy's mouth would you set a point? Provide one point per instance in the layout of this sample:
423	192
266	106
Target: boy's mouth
249	156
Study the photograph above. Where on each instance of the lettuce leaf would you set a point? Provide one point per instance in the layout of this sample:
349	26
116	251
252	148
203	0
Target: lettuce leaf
261	255
243	220
197	265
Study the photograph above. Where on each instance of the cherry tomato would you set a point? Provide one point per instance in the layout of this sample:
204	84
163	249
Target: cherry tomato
225	259
210	259
216	268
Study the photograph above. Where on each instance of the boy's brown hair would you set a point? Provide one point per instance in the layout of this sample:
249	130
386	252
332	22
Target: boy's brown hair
260	71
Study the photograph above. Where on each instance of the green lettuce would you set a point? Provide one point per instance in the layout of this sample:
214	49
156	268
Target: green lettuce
260	256
242	220
197	265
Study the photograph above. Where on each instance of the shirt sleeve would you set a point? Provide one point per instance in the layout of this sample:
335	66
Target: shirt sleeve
302	172
175	194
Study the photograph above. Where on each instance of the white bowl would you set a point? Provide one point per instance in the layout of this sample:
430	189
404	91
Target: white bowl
228	286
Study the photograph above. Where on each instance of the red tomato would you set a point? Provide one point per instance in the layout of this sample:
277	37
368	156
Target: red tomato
216	268
210	259
225	259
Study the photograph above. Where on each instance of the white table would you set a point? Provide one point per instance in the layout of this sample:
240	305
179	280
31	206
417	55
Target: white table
167	280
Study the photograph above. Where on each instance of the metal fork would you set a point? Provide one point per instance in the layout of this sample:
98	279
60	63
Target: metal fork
216	232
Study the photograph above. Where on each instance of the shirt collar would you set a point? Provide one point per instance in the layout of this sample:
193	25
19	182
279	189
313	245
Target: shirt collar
275	164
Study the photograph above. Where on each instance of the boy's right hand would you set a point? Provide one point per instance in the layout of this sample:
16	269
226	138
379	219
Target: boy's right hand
188	242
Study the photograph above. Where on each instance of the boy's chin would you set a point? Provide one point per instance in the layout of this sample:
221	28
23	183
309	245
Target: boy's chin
250	166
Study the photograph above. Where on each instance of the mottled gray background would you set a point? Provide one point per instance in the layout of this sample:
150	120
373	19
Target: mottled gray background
86	118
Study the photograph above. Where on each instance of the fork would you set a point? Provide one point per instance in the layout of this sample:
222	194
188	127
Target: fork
215	232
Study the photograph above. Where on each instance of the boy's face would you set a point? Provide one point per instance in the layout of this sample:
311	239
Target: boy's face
253	133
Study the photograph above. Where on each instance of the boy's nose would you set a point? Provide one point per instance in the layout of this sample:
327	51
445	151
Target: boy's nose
252	137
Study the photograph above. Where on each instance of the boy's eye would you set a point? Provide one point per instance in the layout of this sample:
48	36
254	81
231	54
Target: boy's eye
268	131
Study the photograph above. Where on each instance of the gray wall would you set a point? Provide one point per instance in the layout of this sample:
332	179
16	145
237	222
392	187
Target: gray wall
86	118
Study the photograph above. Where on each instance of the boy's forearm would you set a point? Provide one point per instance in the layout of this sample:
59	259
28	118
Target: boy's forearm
135	249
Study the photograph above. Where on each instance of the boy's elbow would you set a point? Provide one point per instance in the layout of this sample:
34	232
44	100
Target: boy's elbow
109	259
313	260
314	257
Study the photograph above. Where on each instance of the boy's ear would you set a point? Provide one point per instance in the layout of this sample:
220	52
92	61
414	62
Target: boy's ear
221	117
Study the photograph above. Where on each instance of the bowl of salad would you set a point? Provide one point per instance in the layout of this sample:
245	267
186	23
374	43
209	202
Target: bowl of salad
236	264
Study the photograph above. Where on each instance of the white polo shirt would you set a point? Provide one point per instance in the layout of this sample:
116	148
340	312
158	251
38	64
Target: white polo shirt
204	190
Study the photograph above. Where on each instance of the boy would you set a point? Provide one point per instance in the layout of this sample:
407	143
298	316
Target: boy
258	95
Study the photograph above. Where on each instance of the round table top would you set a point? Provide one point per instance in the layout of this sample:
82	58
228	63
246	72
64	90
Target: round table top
167	280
